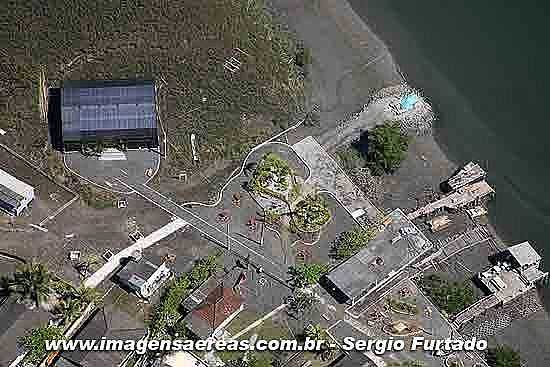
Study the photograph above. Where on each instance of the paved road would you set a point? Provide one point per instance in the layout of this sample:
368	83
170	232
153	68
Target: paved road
114	262
237	245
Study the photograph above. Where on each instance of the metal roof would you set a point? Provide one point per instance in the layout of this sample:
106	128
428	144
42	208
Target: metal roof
400	242
88	107
13	191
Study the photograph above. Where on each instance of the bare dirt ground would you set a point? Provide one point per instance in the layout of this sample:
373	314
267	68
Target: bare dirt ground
91	231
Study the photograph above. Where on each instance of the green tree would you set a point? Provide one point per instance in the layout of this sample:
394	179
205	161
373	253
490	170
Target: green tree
503	356
203	269
34	342
315	332
387	148
311	214
307	274
32	282
301	302
348	243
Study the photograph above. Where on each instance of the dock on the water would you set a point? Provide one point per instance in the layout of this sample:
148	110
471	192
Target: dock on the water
470	173
457	200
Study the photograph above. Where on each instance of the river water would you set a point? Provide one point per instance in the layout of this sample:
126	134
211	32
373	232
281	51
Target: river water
484	65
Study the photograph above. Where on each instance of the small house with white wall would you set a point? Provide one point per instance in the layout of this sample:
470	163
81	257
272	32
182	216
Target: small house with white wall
15	195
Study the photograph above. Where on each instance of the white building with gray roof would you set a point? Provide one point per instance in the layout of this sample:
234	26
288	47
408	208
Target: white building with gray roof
15	195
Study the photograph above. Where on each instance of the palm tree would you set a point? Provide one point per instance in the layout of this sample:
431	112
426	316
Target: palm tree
86	295
70	309
32	282
74	302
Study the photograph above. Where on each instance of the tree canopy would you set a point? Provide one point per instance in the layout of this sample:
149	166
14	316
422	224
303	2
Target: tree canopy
34	342
352	241
503	356
307	274
387	148
311	214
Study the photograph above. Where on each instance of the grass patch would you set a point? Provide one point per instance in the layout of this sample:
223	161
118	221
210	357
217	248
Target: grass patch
243	319
451	297
82	40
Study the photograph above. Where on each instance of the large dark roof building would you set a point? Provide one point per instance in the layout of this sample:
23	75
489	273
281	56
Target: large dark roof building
393	248
108	111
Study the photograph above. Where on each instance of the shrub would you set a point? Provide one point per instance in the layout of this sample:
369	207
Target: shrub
452	297
387	148
307	274
34	342
351	242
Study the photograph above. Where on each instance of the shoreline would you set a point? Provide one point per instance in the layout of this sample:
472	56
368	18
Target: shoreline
429	161
339	68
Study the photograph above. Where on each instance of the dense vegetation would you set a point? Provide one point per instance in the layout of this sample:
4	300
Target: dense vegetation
387	148
271	171
307	274
503	356
183	45
310	214
452	297
350	242
34	342
166	314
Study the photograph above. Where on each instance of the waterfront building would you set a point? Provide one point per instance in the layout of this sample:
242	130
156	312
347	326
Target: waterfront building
470	173
515	271
396	246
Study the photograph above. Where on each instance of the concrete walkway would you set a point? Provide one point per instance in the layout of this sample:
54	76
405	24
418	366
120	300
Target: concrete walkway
114	262
327	175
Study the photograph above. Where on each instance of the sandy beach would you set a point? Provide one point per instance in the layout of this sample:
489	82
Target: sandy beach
350	64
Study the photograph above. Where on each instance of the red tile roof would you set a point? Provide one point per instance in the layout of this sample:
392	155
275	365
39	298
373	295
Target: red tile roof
221	303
